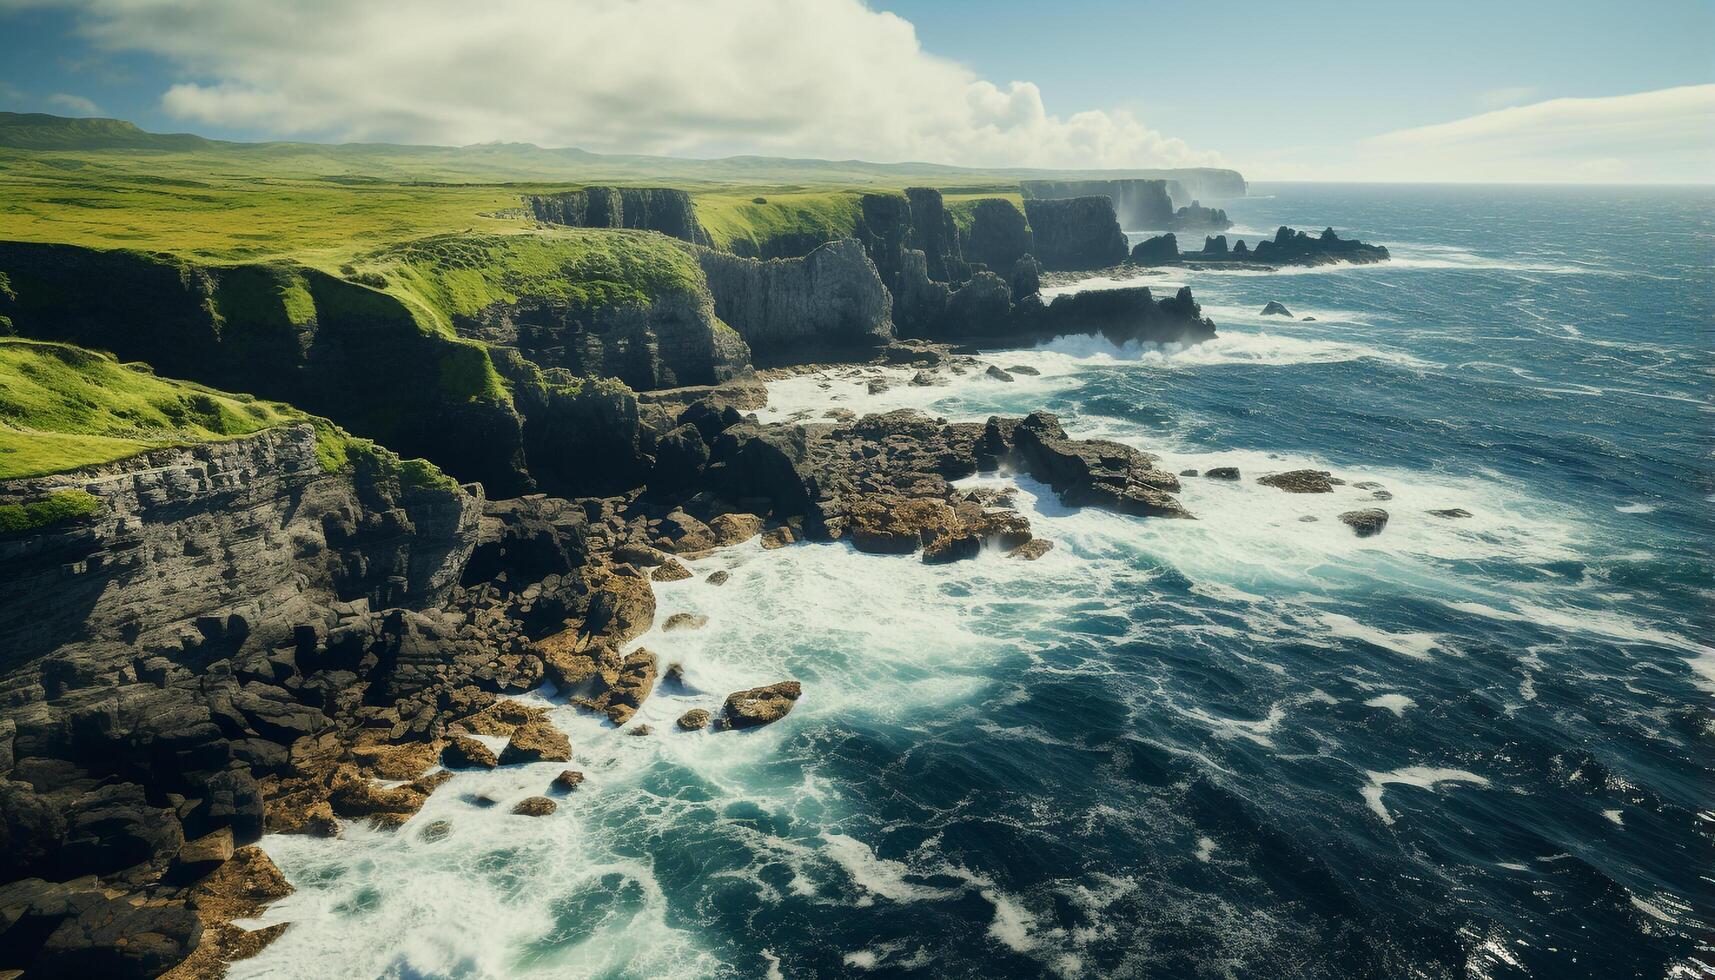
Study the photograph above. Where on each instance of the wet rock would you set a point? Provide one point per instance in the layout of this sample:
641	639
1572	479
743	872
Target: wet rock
1160	250
1222	473
353	795
1299	481
635	682
682	534
671	571
1365	523
199	857
680	455
568	780
621	608
1451	513
694	719
1308	319
1187	472
760	705
536	741
730	529
1024	369
640	731
435	830
777	537
924	379
1031	550
464	752
876	386
535	806
684	621
998	374
719	577
1275	309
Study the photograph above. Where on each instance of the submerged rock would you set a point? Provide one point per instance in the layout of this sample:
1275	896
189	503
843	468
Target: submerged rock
760	705
1451	512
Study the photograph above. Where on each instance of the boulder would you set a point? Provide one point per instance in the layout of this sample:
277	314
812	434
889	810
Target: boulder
760	705
1221	473
730	529
1300	481
1160	250
464	752
536	740
694	719
1031	550
718	577
1451	513
535	806
635	682
997	373
670	570
568	780
1275	309
199	857
684	621
1365	523
680	455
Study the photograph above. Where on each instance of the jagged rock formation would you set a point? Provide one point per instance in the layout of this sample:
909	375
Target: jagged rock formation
1160	250
1196	216
1288	247
290	333
1136	203
831	299
1125	315
1076	233
999	236
663	209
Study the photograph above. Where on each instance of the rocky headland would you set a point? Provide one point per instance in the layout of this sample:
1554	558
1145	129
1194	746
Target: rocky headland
1287	247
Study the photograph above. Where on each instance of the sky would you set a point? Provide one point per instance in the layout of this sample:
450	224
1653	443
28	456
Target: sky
1515	90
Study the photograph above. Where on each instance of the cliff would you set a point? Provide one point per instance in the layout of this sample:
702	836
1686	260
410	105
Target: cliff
829	300
1136	203
1196	216
281	331
663	209
997	235
1075	233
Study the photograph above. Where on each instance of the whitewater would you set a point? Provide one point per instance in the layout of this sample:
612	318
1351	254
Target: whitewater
1249	744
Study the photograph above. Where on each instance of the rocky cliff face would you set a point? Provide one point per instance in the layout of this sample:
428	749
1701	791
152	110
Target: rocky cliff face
661	209
332	347
160	662
1137	203
1075	233
999	236
831	299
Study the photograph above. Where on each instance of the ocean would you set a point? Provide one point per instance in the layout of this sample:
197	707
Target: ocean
1249	745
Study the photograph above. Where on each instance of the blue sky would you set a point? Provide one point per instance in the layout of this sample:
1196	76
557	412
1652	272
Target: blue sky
1302	89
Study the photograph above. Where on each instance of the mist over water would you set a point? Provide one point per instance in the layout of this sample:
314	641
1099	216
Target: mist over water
1247	745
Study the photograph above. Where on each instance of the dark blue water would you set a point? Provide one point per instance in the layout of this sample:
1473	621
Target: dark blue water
1250	745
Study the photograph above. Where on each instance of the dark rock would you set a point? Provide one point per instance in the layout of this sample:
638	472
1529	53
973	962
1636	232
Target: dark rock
670	570
680	456
684	621
1222	473
1076	233
1160	250
694	719
1024	369
1367	522
464	752
1451	512
568	780
1300	481
1195	215
998	374
999	237
1031	550
1275	309
718	577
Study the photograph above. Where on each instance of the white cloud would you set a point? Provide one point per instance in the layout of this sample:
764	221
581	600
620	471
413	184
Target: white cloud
1497	98
75	104
827	78
1662	136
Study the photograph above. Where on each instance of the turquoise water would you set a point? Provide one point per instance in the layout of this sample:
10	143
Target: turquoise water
1249	745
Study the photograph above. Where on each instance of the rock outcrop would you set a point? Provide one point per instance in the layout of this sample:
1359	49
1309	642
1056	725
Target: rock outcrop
998	236
1076	233
1195	217
1137	204
663	209
830	300
1289	247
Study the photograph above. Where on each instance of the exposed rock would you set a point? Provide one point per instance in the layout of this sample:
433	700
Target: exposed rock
636	680
1160	250
684	621
670	570
1024	369
694	720
999	236
730	529
464	752
1299	481
1076	233
1031	550
829	300
640	731
536	741
1365	523
998	374
1094	471
1289	247
663	209
1195	215
777	537
535	806
1136	202
1451	512
1275	309
760	705
1221	473
568	780
718	577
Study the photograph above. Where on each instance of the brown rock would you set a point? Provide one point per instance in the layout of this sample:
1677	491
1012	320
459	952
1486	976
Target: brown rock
694	719
777	537
671	570
354	795
571	660
464	752
201	856
568	780
732	529
636	680
641	730
621	609
760	705
718	577
1365	523
536	741
395	761
535	806
683	534
1031	550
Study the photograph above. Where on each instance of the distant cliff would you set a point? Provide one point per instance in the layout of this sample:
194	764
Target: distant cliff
661	209
1137	203
1075	233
